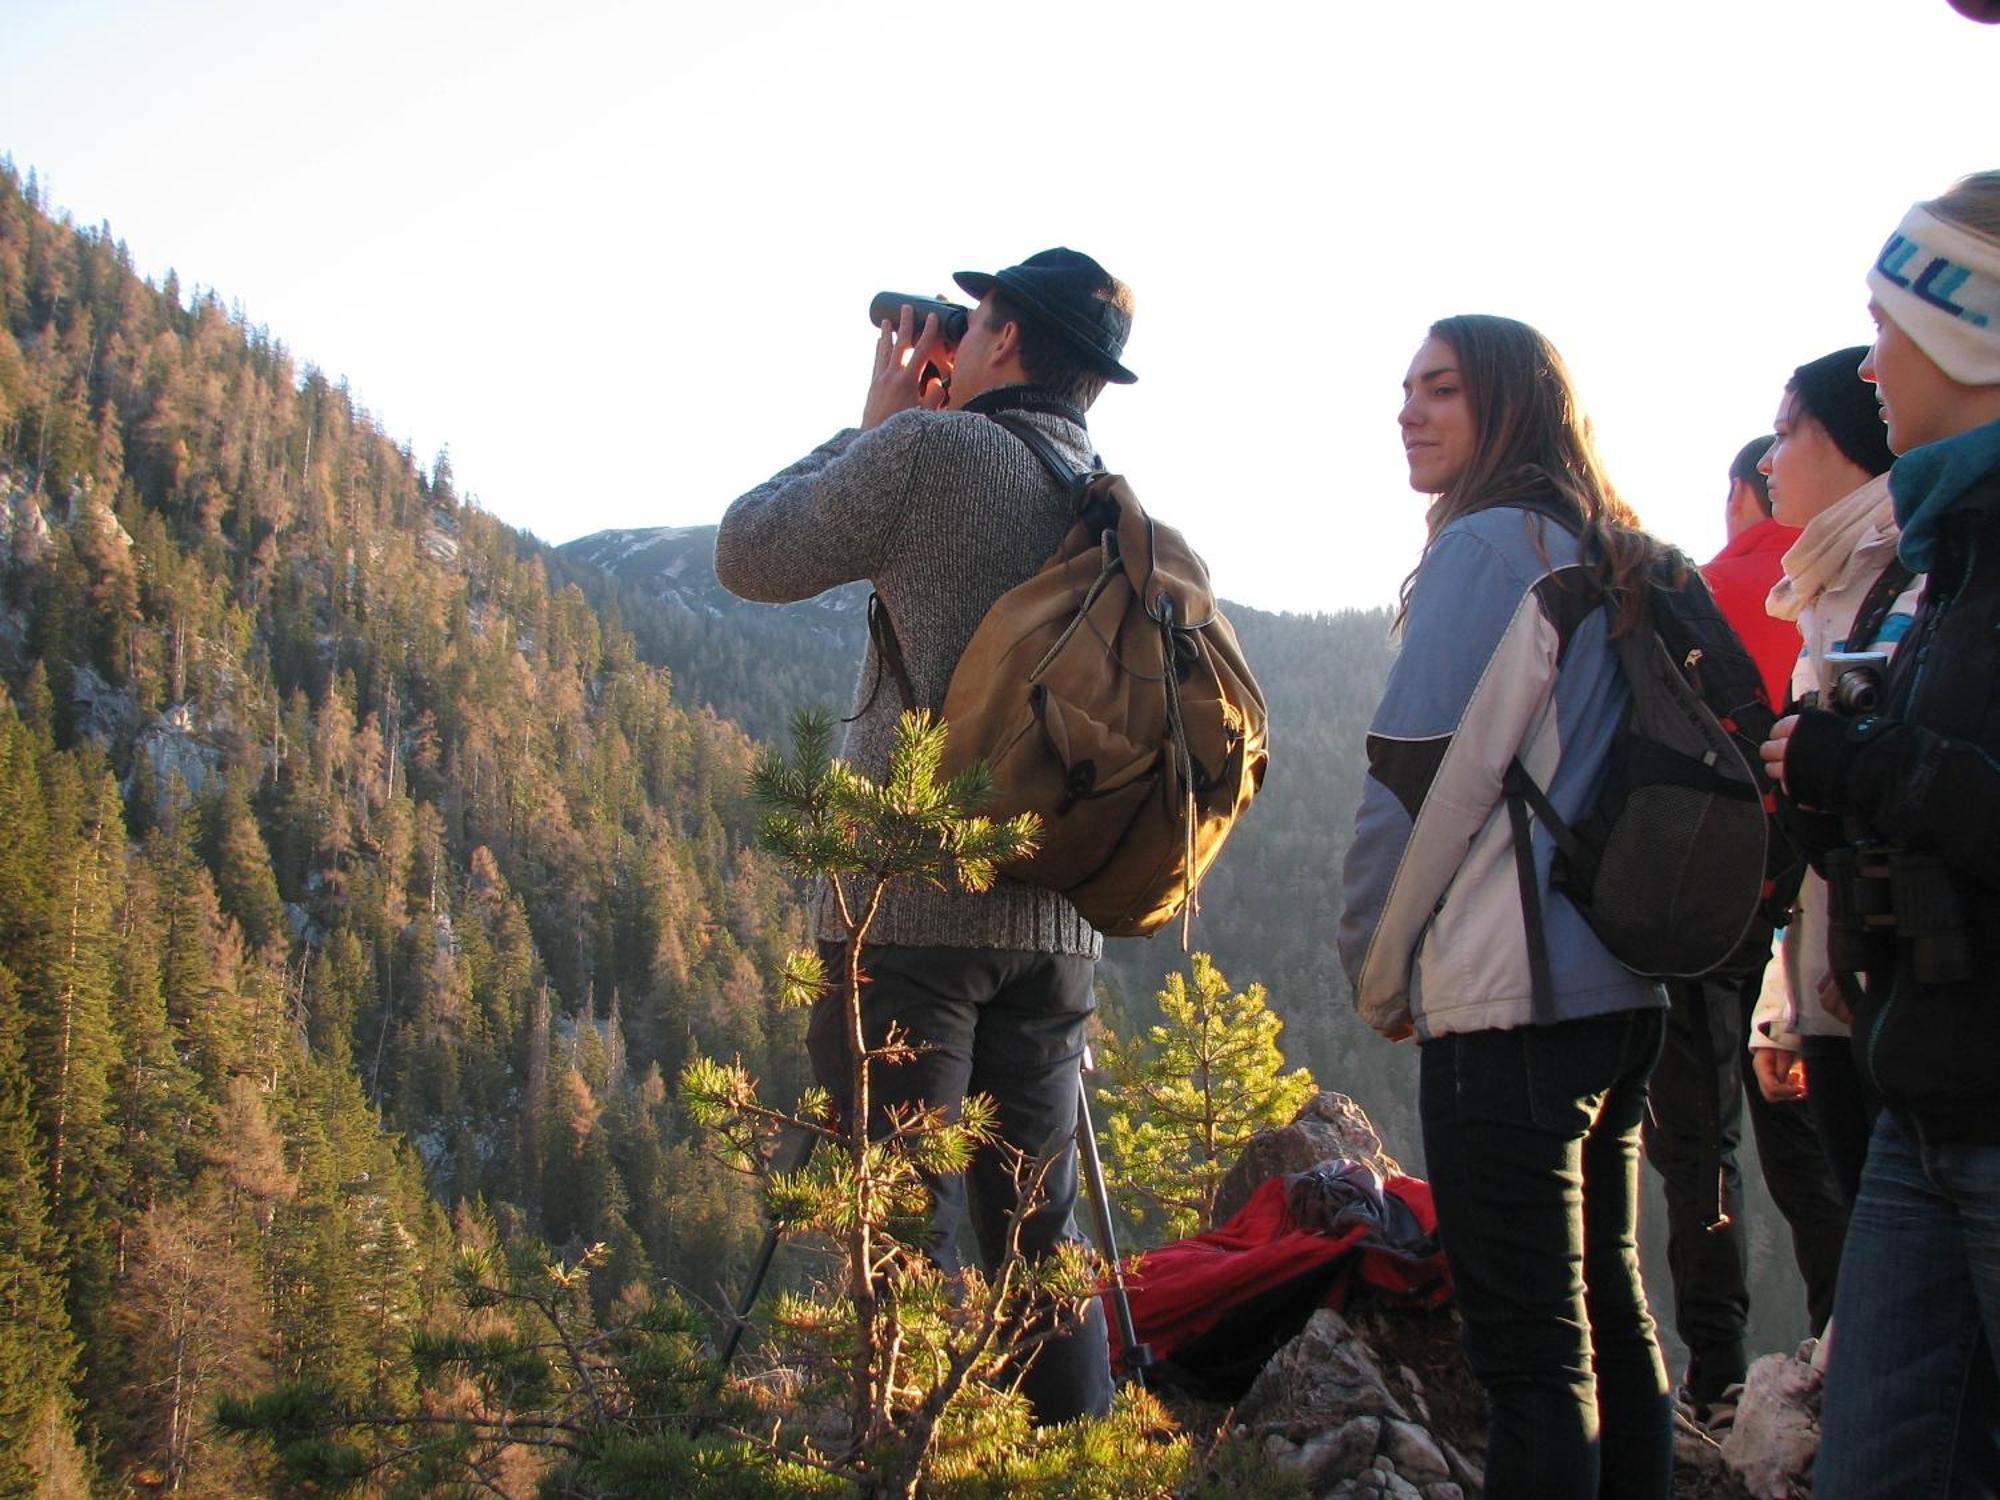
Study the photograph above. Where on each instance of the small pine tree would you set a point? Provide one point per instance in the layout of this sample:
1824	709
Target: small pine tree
1187	1096
910	1356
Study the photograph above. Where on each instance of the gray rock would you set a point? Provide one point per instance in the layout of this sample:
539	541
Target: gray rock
1328	1126
1444	1489
106	715
1471	1477
172	744
1415	1452
1379	1482
1776	1434
1340	1454
1327	1375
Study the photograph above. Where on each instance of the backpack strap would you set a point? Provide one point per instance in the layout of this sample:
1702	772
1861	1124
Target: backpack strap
1524	796
1039	444
887	652
1520	790
1874	612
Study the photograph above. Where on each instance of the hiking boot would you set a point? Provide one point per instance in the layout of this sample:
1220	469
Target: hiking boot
1714	1417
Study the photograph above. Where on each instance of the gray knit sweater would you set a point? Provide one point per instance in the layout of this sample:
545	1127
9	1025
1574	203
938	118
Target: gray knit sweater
942	512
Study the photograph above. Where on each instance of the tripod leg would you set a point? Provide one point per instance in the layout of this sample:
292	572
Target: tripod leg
800	1153
1133	1355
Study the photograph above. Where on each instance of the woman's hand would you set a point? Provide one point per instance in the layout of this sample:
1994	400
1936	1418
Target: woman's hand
1781	1074
1772	751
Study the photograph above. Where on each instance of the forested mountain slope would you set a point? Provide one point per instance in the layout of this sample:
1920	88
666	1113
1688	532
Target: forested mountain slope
360	887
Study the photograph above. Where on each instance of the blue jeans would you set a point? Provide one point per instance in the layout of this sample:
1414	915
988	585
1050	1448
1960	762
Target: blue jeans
1910	1409
1532	1142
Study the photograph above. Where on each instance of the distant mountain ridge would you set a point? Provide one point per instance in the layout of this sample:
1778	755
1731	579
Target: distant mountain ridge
757	664
677	565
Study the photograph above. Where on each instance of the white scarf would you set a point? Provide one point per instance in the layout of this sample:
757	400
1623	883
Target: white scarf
1816	560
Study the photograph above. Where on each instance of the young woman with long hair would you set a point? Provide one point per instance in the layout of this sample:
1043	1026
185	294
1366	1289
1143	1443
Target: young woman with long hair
1916	1319
1531	1095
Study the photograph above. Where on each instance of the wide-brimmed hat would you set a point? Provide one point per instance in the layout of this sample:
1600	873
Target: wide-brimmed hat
1072	294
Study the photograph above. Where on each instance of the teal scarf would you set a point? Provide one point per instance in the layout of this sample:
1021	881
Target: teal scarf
1928	481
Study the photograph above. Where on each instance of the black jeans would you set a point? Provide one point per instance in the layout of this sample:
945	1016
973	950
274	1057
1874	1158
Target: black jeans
1009	1025
1700	1090
1532	1141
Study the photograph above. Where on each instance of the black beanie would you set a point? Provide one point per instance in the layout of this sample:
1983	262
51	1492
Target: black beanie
1837	398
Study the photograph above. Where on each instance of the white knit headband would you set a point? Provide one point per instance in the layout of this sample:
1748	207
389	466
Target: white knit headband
1941	285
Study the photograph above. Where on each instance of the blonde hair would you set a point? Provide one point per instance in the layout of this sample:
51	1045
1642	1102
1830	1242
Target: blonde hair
1972	203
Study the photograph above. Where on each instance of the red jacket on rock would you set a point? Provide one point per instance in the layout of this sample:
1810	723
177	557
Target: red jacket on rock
1741	576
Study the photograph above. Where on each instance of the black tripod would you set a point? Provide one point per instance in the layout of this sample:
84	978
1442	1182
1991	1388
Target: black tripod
1134	1356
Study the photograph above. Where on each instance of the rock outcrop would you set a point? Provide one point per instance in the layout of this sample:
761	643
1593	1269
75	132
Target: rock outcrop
1378	1401
1776	1434
1328	1125
1338	1410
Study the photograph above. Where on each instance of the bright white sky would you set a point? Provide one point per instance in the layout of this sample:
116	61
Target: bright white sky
618	256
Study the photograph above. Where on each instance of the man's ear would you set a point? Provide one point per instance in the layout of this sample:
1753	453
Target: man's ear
1007	343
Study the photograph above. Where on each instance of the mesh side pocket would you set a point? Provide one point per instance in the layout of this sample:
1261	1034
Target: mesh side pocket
1680	870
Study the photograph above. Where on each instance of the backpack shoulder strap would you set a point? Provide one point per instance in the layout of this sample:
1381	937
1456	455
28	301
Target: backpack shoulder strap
1523	796
1518	785
1039	444
1880	599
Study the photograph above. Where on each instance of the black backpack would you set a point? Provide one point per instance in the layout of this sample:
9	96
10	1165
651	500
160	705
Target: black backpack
1679	862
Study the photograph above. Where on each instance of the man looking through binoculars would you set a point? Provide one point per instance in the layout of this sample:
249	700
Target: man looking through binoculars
943	510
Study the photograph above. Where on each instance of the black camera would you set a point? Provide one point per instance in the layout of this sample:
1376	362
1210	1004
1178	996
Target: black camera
952	319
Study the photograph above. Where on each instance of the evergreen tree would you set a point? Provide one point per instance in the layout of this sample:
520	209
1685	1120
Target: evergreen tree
911	1356
244	880
69	1030
1187	1097
37	1352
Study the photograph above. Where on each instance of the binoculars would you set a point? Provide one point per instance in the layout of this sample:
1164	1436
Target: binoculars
1886	904
952	319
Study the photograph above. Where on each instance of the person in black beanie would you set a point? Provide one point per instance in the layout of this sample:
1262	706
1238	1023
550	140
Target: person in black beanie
1844	587
1843	404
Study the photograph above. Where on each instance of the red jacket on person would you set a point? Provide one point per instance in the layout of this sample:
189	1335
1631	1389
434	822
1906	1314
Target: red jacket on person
1741	577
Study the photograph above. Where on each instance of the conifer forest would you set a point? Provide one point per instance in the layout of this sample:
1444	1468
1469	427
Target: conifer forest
368	884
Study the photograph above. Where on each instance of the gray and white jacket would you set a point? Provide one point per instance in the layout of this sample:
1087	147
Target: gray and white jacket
1504	653
942	512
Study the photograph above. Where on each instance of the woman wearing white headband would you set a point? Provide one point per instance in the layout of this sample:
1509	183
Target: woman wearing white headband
1917	782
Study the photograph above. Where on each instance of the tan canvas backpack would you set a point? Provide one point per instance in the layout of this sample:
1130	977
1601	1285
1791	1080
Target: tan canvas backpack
1110	697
